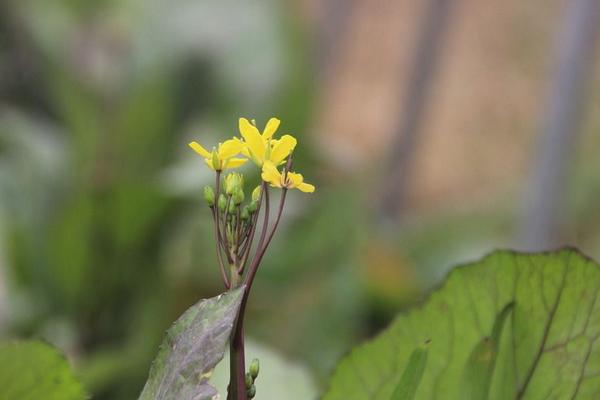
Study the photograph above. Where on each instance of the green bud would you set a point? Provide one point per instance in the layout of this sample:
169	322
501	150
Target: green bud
254	368
216	163
253	207
209	195
245	214
251	392
222	203
233	182
232	208
256	193
249	381
238	197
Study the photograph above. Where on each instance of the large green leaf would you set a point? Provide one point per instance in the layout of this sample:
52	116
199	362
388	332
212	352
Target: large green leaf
191	349
34	370
548	347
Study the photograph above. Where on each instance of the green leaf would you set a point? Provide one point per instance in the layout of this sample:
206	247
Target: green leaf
547	349
34	370
409	383
192	348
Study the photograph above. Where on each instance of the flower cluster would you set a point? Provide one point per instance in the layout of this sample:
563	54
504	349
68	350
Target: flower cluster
236	220
262	148
236	223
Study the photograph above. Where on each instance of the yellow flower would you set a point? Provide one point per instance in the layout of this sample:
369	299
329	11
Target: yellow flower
291	180
222	157
261	147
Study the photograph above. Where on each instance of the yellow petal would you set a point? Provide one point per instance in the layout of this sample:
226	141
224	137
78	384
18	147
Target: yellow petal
200	150
235	162
271	174
297	181
244	150
294	179
229	148
283	148
306	187
270	128
253	139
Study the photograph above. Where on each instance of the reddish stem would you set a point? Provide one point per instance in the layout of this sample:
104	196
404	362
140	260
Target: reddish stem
237	369
237	356
215	212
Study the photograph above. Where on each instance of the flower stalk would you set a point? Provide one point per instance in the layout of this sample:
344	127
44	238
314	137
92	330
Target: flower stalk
236	224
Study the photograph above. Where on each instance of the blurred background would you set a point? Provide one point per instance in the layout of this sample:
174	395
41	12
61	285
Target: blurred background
435	131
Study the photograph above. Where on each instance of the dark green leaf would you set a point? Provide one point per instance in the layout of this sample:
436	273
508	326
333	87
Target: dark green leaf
191	349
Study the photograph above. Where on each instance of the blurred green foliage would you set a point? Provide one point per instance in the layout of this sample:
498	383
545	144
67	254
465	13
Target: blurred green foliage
104	237
106	241
34	370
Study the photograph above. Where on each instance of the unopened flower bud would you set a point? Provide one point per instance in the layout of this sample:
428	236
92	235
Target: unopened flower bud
232	207
251	392
249	381
254	368
222	203
245	214
253	207
238	197
233	182
209	195
256	193
216	163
